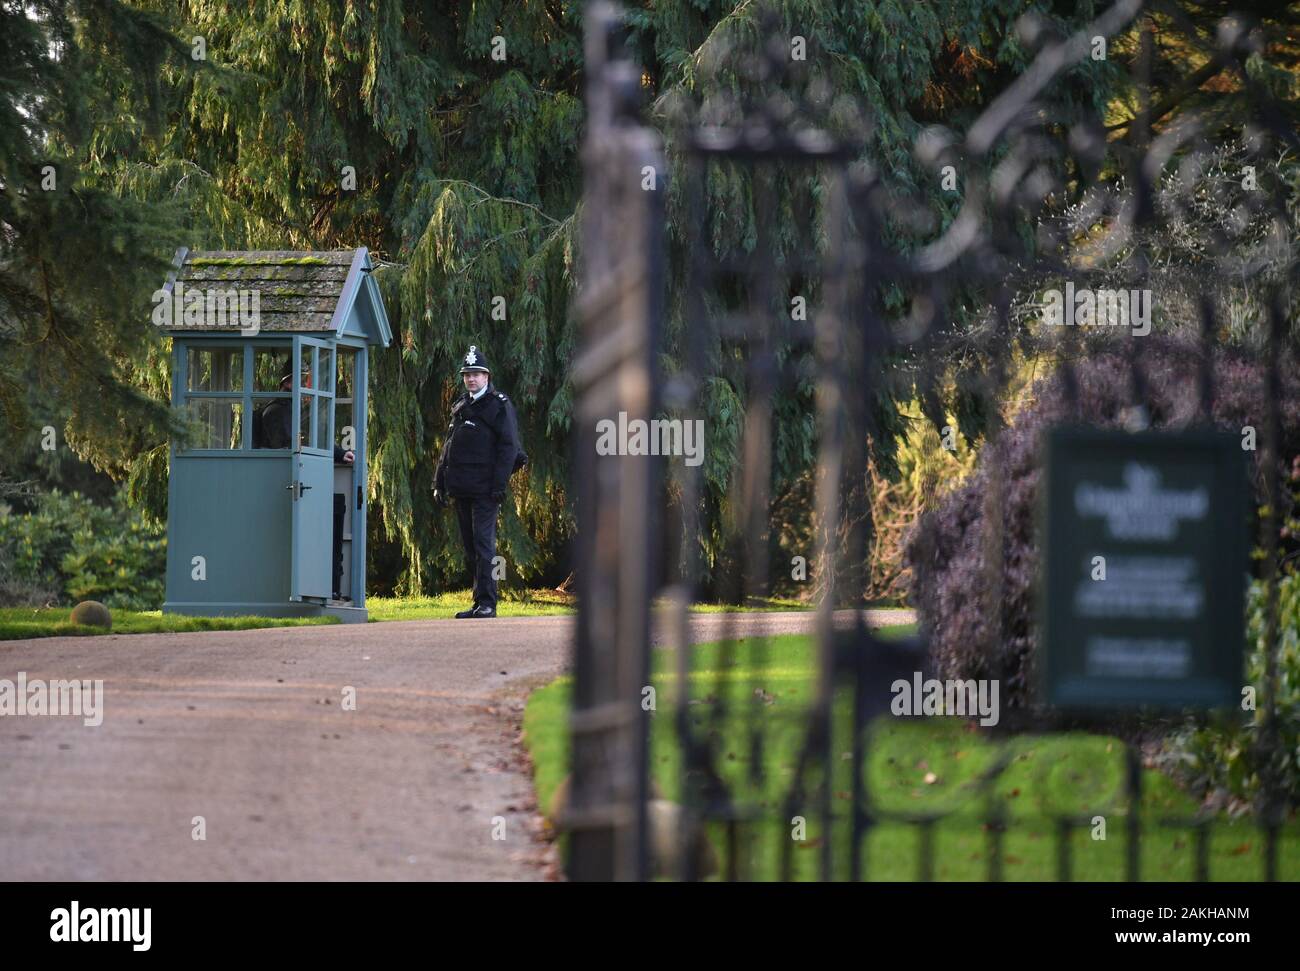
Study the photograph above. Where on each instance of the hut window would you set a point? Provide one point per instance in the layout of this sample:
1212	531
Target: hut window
304	420
272	406
270	364
219	422
216	369
323	425
326	370
315	394
214	393
313	416
345	432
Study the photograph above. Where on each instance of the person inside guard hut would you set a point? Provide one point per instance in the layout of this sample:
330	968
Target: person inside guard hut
273	428
480	453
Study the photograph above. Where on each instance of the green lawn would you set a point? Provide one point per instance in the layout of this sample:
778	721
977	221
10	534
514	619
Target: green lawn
914	768
757	604
22	622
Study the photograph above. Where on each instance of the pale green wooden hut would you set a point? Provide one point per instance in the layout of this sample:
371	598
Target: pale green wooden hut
270	362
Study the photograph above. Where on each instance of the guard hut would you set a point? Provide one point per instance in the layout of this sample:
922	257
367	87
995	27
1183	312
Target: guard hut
269	362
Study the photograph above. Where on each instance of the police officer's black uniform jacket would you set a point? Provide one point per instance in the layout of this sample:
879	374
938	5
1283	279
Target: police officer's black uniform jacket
479	453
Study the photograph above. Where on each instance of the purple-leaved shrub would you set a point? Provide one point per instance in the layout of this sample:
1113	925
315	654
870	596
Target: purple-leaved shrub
975	634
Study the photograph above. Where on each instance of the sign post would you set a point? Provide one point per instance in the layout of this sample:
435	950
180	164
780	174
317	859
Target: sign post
1145	559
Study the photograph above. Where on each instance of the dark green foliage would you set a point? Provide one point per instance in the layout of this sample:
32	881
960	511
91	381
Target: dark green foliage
83	551
467	181
905	66
1225	755
467	190
77	259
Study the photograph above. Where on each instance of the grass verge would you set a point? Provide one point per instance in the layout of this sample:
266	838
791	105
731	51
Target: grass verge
24	622
17	623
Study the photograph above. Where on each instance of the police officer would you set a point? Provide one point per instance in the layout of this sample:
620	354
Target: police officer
481	451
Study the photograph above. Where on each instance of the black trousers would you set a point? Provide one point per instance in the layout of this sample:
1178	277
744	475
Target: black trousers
478	534
340	512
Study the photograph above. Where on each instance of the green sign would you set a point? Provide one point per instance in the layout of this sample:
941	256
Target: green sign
1145	563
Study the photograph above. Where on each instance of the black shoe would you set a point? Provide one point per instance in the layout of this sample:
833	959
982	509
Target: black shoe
467	613
483	612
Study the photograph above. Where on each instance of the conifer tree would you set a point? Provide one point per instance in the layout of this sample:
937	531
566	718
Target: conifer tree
443	136
77	259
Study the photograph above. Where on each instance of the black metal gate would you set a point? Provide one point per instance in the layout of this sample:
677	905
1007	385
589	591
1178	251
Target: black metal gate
844	239
620	308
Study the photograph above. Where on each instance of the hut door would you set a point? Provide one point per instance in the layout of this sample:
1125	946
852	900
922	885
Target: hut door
312	488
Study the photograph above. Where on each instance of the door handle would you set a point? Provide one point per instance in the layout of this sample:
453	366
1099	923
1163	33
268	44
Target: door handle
299	486
358	497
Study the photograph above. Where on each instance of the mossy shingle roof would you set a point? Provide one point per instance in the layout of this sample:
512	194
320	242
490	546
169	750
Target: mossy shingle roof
297	291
